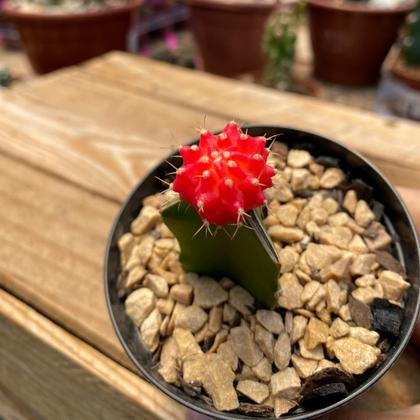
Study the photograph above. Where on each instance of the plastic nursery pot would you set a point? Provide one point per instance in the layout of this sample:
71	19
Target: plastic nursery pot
56	40
350	40
229	34
396	218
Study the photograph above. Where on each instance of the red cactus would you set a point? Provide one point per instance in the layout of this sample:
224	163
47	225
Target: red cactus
224	175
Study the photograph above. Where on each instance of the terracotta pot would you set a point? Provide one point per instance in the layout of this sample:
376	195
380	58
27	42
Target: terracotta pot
55	40
350	40
229	35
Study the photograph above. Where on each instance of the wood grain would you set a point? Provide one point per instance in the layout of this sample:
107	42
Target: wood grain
118	115
98	136
60	377
52	251
388	142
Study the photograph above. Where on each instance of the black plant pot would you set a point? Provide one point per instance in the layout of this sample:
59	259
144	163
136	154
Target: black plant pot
396	218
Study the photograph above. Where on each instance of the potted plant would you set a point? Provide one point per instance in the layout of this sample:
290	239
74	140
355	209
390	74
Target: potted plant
350	39
254	273
406	66
60	33
229	33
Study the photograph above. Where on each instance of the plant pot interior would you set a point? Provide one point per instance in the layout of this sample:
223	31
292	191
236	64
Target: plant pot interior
396	219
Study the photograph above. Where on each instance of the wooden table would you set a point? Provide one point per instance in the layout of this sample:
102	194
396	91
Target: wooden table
72	145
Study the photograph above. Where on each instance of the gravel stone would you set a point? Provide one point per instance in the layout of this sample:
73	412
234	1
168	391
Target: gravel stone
288	257
290	292
331	178
316	333
208	293
157	285
393	285
262	370
364	335
283	406
339	328
227	353
168	365
363	215
265	341
182	293
355	357
256	391
285	234
298	329
339	236
147	219
287	215
139	304
187	346
304	367
298	158
285	383
241	300
316	353
243	343
191	318
350	201
282	351
363	264
270	320
149	330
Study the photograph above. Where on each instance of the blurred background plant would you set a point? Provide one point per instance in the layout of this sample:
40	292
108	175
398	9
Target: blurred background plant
411	44
280	45
5	77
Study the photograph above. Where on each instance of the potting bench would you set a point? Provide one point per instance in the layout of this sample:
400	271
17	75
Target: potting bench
72	145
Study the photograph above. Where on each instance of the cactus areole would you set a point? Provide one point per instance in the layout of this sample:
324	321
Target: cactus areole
224	176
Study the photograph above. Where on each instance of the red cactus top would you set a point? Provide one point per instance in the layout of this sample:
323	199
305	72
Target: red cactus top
224	175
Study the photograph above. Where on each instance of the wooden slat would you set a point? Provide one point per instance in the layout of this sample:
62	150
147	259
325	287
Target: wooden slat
53	239
388	142
120	114
97	136
60	377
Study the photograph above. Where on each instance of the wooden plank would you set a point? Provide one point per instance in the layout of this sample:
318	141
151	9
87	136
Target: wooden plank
53	237
103	127
60	377
387	142
97	136
12	408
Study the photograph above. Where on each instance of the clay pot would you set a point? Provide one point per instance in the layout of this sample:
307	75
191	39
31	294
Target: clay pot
52	41
351	40
229	35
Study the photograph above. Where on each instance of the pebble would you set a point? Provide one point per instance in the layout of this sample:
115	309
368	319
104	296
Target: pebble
208	293
285	384
354	356
139	304
256	391
270	320
282	351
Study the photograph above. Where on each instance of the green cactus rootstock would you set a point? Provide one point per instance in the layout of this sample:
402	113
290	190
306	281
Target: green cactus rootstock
243	253
411	47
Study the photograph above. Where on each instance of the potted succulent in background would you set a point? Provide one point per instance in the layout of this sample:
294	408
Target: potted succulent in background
229	33
254	273
350	39
407	64
60	33
399	91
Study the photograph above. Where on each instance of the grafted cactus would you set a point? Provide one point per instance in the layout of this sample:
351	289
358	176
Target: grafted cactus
217	219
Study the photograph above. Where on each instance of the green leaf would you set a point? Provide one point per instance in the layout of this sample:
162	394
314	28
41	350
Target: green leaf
245	253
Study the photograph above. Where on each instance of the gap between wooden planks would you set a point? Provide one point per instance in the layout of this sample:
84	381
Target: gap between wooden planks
60	377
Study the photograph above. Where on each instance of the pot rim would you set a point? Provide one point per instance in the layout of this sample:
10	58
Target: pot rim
362	8
69	16
378	374
233	5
